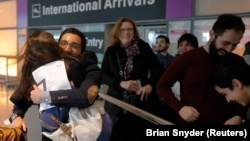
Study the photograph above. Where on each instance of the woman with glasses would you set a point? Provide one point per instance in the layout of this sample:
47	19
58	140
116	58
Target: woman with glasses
85	77
131	70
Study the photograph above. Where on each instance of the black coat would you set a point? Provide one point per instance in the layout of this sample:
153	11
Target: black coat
146	67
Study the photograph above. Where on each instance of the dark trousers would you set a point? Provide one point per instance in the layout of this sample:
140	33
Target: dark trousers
129	127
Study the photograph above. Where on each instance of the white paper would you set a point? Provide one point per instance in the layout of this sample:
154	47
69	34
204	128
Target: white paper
51	77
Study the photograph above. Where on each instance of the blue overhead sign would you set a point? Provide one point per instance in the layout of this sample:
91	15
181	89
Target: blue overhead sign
60	12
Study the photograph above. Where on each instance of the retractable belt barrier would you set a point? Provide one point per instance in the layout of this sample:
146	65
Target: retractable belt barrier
137	111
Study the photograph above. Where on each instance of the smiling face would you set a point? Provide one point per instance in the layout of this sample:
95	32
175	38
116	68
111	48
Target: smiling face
184	46
71	43
238	94
225	42
126	33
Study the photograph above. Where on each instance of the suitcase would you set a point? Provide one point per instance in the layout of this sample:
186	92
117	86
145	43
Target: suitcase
10	133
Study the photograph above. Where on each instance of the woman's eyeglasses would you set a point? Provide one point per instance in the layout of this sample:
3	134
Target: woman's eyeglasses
126	29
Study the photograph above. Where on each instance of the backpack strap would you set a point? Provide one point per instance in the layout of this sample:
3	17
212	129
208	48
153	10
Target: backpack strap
62	125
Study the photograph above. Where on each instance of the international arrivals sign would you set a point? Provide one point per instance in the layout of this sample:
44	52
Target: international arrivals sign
76	6
57	12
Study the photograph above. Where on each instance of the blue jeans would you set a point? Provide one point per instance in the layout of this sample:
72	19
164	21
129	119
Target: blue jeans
106	128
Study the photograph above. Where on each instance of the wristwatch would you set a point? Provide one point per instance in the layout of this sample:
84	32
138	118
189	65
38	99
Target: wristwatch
14	116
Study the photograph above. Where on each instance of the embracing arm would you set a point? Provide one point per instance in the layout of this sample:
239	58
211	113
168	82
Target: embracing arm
21	105
87	80
82	96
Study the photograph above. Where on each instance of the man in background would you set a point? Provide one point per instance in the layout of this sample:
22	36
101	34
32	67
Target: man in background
161	49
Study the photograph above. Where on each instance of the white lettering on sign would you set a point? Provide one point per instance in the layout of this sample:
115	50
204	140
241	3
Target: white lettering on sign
110	4
93	42
76	6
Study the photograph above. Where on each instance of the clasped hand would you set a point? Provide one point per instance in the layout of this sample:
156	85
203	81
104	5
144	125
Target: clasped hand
35	95
132	85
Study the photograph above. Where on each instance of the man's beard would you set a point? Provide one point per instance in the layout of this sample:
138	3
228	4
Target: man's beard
162	49
216	54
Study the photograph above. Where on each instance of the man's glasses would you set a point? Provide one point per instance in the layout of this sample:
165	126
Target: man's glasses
64	44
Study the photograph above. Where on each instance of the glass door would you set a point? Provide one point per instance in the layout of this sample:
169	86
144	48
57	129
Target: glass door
149	33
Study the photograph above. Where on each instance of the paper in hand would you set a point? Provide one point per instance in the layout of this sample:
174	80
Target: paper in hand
51	77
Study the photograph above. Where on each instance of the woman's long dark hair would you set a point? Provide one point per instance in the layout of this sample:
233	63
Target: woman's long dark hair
40	49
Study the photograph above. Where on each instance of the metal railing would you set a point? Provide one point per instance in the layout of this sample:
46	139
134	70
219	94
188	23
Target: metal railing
7	80
135	110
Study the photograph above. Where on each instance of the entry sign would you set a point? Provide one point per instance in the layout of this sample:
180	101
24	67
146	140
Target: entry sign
95	41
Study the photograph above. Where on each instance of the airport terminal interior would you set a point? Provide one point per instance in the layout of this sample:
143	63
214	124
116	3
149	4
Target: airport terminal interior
172	19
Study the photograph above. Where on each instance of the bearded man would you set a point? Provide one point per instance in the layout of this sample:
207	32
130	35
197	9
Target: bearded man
200	103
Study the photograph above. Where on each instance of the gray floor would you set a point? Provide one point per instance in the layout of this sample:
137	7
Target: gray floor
34	132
